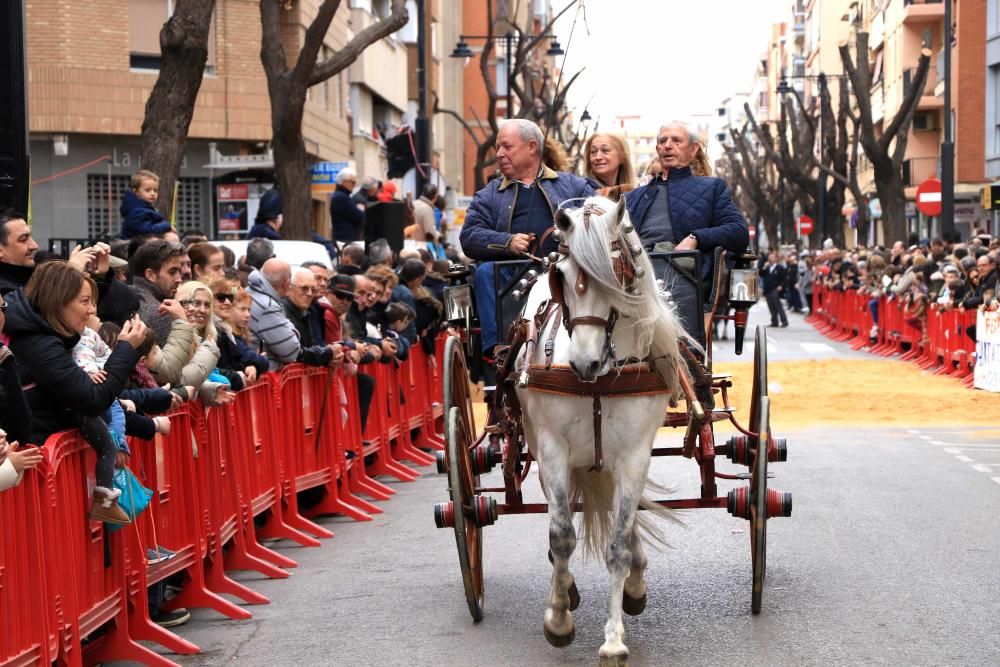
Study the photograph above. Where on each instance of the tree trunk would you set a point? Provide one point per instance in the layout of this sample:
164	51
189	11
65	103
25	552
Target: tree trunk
184	52
291	161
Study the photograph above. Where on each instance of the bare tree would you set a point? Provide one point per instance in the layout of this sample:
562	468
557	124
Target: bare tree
886	152
287	86
183	55
538	97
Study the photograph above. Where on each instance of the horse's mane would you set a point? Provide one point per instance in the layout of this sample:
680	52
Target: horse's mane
657	326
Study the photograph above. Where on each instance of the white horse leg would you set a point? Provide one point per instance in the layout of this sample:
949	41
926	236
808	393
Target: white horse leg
558	625
634	601
628	490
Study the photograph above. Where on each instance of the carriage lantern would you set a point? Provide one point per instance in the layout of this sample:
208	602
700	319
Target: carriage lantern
742	293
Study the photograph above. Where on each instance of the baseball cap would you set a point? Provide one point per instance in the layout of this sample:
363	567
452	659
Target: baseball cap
342	285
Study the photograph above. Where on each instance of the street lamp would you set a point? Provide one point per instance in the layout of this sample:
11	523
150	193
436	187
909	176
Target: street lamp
585	116
462	50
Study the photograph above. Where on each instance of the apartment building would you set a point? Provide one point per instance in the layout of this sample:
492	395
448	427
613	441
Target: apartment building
992	119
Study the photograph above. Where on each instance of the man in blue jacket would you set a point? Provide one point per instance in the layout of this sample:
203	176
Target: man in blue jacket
346	216
691	212
511	214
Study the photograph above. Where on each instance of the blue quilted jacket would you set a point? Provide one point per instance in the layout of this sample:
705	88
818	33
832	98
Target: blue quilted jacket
699	205
488	221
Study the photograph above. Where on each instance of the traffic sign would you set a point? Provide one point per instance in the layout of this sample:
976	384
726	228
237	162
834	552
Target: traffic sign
805	224
753	231
929	197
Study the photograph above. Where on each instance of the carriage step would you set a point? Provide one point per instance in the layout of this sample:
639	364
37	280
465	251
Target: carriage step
778	503
739	450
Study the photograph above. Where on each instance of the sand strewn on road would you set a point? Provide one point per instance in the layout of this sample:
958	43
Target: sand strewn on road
858	392
862	392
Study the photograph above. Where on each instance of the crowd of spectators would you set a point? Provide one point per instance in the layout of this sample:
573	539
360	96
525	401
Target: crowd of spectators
917	275
111	339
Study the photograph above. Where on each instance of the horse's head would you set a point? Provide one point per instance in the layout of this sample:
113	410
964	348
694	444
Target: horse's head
596	270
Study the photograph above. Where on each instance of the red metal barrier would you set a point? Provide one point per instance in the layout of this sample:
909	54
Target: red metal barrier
30	607
212	475
938	342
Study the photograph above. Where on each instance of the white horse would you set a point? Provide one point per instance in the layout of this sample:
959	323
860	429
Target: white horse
605	276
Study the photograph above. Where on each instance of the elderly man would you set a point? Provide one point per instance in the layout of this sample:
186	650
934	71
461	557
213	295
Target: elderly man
306	316
270	326
684	211
368	193
424	227
510	216
347	217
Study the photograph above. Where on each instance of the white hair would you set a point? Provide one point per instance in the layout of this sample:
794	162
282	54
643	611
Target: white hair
692	135
527	130
346	174
299	273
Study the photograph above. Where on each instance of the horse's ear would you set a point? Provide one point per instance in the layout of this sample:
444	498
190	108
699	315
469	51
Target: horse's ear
620	211
563	222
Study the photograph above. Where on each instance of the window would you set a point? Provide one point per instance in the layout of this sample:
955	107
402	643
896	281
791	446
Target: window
992	17
192	204
501	74
993	114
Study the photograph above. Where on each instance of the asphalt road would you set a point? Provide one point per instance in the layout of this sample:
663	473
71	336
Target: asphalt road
890	557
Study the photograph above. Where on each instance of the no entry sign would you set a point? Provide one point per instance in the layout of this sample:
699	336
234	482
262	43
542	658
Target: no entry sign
805	224
929	197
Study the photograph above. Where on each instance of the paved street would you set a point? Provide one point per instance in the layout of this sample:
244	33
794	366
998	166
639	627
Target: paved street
890	557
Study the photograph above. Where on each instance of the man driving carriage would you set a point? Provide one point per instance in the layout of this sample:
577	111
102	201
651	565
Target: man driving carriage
680	207
514	214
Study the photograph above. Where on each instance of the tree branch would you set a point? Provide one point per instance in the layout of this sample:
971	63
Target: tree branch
457	116
901	121
272	51
350	51
313	41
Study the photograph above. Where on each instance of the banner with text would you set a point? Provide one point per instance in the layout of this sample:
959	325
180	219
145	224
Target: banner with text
987	372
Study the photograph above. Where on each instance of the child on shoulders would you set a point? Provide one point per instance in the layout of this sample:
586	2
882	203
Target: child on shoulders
139	215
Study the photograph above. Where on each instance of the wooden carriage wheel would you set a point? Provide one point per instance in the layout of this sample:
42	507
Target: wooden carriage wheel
468	533
760	413
758	505
456	383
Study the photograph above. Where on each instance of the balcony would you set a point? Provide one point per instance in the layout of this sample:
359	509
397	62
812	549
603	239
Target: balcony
916	170
928	100
922	11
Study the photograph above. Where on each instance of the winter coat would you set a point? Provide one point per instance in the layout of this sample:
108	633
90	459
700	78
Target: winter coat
269	325
774	277
234	359
262	230
309	326
699	205
488	221
116	301
13	276
347	219
15	416
140	218
987	283
175	337
57	390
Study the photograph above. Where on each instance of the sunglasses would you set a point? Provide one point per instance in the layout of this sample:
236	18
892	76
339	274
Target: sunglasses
194	303
225	296
341	296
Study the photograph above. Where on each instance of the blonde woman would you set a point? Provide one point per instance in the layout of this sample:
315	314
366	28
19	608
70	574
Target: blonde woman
197	299
606	161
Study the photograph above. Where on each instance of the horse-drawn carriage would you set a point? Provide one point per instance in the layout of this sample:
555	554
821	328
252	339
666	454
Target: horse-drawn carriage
605	343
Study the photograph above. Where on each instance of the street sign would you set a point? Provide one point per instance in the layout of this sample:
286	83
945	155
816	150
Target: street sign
805	224
929	197
753	231
323	176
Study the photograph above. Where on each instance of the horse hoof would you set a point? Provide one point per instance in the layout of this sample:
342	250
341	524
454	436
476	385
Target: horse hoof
633	606
574	597
559	641
620	660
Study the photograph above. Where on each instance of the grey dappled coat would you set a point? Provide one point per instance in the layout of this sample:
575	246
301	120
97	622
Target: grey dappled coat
268	323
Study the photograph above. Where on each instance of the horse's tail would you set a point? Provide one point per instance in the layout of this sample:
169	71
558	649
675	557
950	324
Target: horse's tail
595	491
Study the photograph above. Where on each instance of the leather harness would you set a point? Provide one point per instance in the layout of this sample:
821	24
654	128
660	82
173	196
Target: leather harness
632	377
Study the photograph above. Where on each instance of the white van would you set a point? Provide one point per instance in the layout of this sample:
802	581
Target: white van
295	253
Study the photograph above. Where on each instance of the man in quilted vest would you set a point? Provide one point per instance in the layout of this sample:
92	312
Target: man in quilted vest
691	212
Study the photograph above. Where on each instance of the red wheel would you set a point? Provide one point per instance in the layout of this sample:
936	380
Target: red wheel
456	383
471	511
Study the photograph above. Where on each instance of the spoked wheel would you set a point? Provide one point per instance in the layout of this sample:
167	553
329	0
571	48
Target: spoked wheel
468	514
456	383
758	503
759	375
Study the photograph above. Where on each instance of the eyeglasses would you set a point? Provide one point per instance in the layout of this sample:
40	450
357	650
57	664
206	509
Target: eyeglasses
195	303
225	296
306	289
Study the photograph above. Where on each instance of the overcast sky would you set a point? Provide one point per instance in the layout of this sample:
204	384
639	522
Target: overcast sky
663	59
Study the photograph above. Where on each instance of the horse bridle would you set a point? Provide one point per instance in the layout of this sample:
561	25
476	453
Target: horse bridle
625	272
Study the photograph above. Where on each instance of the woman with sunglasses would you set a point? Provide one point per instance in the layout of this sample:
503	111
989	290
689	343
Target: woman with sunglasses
200	371
237	362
